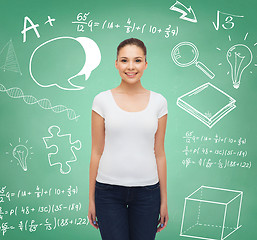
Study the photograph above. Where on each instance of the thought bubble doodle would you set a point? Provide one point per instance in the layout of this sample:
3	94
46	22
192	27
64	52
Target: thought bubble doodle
60	60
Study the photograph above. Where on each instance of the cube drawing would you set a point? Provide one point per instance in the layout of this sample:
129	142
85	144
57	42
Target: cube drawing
211	213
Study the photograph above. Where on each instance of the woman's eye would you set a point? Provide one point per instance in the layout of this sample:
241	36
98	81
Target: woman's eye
124	60
138	60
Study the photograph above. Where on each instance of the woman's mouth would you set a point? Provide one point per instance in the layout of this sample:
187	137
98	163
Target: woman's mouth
131	74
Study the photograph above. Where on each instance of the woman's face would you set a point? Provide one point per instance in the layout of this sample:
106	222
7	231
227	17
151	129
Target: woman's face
131	63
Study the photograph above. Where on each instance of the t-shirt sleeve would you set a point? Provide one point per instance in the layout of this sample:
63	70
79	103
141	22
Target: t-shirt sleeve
163	107
97	105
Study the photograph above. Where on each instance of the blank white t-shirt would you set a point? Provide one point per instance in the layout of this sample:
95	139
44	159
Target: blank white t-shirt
128	158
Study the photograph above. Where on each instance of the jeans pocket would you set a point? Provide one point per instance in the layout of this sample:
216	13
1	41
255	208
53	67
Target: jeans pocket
103	186
152	187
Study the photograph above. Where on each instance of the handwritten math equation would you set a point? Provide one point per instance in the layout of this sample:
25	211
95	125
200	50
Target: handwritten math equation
39	192
26	210
48	224
223	152
224	21
208	163
190	137
39	201
84	23
214	151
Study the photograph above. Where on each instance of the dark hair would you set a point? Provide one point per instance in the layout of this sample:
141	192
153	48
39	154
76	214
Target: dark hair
132	41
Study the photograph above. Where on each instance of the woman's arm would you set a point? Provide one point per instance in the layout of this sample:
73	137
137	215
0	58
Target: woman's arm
98	139
162	169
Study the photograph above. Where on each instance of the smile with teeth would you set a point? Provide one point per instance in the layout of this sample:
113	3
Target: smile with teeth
131	74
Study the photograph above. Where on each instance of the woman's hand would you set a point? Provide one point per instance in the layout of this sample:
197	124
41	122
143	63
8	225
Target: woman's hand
91	215
163	220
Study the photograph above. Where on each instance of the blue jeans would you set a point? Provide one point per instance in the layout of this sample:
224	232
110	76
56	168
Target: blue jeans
127	213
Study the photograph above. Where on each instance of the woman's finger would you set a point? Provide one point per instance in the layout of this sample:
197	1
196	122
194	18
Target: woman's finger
93	221
161	224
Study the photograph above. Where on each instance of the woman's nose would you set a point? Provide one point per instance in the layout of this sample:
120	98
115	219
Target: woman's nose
131	65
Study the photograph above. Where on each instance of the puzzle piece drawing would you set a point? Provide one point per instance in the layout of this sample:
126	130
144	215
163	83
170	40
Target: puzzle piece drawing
62	150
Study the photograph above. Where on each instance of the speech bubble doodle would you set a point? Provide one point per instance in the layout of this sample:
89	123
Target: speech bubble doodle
93	55
60	60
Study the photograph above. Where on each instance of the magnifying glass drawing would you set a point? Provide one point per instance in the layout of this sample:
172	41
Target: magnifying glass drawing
185	54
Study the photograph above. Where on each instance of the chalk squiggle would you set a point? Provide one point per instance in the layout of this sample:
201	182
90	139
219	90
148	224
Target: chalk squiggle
43	103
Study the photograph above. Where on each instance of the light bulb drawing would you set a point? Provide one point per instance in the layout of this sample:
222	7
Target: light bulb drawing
21	153
239	58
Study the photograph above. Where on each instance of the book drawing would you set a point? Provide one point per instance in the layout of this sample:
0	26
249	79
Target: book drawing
207	103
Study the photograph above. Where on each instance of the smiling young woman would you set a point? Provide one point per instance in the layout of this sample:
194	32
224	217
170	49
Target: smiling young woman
128	172
131	63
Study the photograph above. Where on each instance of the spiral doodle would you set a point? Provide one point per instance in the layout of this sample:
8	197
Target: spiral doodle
43	103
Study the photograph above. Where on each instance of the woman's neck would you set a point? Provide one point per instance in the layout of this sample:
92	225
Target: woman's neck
130	88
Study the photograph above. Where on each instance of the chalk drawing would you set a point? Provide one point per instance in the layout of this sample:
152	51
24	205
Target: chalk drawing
239	57
9	57
21	152
43	103
246	35
199	103
50	20
185	54
229	24
211	213
54	141
85	24
93	58
187	13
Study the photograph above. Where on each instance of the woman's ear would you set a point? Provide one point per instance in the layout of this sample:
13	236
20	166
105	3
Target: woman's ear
146	64
116	63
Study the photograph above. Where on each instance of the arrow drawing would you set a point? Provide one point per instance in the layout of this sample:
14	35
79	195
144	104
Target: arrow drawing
187	13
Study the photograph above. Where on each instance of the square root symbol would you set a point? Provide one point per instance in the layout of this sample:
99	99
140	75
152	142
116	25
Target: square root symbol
211	213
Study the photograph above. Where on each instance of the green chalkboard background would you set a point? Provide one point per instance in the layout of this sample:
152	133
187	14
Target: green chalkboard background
29	110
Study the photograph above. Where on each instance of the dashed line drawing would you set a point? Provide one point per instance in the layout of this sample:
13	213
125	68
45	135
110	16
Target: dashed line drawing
199	103
21	152
8	58
43	103
185	54
245	36
211	213
239	57
93	59
187	13
64	153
